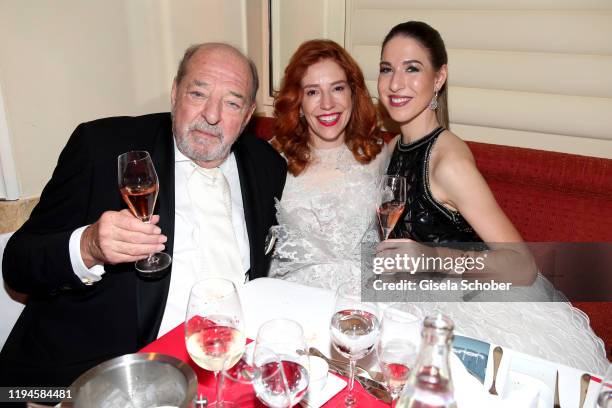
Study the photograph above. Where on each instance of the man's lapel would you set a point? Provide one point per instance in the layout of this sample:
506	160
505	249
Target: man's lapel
152	292
252	206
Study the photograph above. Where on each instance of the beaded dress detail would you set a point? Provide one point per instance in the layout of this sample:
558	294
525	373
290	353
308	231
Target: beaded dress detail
551	329
424	219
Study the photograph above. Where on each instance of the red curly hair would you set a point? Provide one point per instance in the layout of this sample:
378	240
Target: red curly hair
362	135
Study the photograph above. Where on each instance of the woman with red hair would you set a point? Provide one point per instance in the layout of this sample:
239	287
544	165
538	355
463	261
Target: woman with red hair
326	128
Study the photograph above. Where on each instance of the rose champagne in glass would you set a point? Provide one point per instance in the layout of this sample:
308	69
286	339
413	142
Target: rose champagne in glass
139	186
391	202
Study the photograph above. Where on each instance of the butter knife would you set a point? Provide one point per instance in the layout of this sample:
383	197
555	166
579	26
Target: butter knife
375	389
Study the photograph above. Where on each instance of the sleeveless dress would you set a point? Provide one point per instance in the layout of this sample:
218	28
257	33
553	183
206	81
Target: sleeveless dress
424	219
325	214
553	330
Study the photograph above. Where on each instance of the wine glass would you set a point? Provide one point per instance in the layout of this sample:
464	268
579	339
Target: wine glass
280	348
391	202
354	329
139	186
214	327
397	347
604	396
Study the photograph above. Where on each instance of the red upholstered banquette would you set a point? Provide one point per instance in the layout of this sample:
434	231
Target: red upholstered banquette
550	197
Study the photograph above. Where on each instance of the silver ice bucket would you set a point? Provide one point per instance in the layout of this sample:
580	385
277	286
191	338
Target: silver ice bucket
136	381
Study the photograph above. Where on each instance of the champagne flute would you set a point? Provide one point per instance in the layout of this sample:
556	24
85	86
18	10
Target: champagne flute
398	345
391	202
139	186
214	327
354	329
280	347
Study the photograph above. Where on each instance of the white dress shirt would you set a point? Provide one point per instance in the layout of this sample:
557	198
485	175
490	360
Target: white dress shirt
186	258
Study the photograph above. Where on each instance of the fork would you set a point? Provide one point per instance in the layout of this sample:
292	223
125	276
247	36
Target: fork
374	375
374	388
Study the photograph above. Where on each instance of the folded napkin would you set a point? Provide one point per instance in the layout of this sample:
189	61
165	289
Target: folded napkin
470	393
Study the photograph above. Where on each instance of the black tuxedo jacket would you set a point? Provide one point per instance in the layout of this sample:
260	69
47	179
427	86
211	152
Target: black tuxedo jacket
68	327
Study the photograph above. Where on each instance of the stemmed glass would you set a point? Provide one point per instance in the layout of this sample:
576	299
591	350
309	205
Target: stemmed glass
397	346
214	327
139	186
604	396
354	329
280	348
391	202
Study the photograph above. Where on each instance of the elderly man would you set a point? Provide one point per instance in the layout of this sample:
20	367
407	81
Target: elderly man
75	256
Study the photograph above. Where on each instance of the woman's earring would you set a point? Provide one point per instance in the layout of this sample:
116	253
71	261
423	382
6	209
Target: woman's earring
301	114
433	105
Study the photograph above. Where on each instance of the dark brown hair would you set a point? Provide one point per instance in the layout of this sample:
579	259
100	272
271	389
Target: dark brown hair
432	41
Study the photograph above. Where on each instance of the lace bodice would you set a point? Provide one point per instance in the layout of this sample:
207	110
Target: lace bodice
325	213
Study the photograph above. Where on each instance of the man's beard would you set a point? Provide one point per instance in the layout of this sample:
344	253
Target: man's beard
202	149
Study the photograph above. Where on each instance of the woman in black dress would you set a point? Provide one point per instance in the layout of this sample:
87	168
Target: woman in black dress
449	202
448	199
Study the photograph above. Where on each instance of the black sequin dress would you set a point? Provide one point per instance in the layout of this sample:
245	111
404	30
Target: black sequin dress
424	219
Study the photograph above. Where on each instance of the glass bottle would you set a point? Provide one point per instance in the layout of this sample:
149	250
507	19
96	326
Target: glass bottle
430	384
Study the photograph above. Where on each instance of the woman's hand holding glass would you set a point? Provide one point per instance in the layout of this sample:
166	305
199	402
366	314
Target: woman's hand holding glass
390	203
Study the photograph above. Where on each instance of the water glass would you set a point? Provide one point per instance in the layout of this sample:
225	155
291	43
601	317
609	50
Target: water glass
282	361
398	345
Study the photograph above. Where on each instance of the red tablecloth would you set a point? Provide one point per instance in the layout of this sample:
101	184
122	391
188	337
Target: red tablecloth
173	344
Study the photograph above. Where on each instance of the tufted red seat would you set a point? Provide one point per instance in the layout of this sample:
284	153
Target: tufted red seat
550	197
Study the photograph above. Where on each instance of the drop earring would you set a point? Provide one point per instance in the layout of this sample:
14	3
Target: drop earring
433	105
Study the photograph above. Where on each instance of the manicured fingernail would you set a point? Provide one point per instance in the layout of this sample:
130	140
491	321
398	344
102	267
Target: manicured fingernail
163	239
157	230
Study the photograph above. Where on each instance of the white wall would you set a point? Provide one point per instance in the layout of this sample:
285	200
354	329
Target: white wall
534	73
63	62
530	73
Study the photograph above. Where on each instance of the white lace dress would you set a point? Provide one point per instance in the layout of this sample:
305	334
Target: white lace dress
325	214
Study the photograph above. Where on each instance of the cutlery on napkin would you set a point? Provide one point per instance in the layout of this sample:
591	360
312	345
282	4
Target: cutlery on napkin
362	376
374	375
375	389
